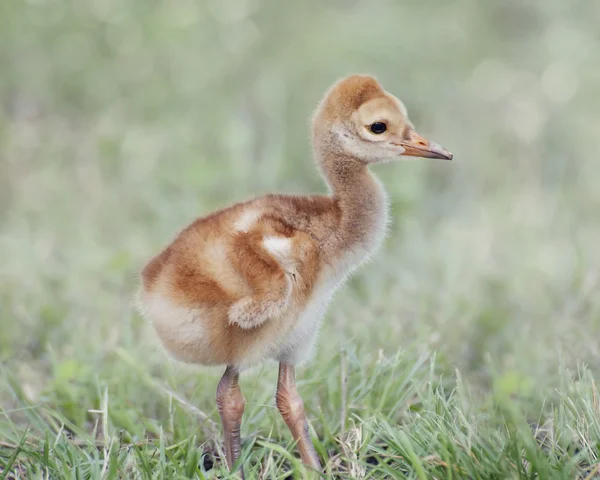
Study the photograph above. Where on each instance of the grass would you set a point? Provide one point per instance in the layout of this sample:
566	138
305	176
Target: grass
466	349
399	419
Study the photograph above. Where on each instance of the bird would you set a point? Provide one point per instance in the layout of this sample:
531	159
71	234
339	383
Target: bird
251	282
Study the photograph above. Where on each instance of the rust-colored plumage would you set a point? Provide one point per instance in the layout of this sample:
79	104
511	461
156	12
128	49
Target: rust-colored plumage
252	281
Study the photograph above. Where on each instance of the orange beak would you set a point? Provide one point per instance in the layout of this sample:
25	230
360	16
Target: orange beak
418	146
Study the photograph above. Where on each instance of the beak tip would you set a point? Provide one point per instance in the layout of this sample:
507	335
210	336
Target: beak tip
438	151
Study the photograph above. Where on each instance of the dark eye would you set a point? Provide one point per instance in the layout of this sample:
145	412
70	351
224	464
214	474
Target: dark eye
378	127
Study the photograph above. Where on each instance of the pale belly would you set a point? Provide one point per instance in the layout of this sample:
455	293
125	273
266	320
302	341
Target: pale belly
300	340
194	335
291	338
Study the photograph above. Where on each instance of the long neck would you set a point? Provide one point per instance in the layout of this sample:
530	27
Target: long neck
361	201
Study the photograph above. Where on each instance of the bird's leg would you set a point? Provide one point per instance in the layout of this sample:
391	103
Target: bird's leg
231	402
291	407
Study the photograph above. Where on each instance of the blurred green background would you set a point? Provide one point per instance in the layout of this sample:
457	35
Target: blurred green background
122	121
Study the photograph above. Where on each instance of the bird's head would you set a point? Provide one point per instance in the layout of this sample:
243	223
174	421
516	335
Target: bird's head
358	118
